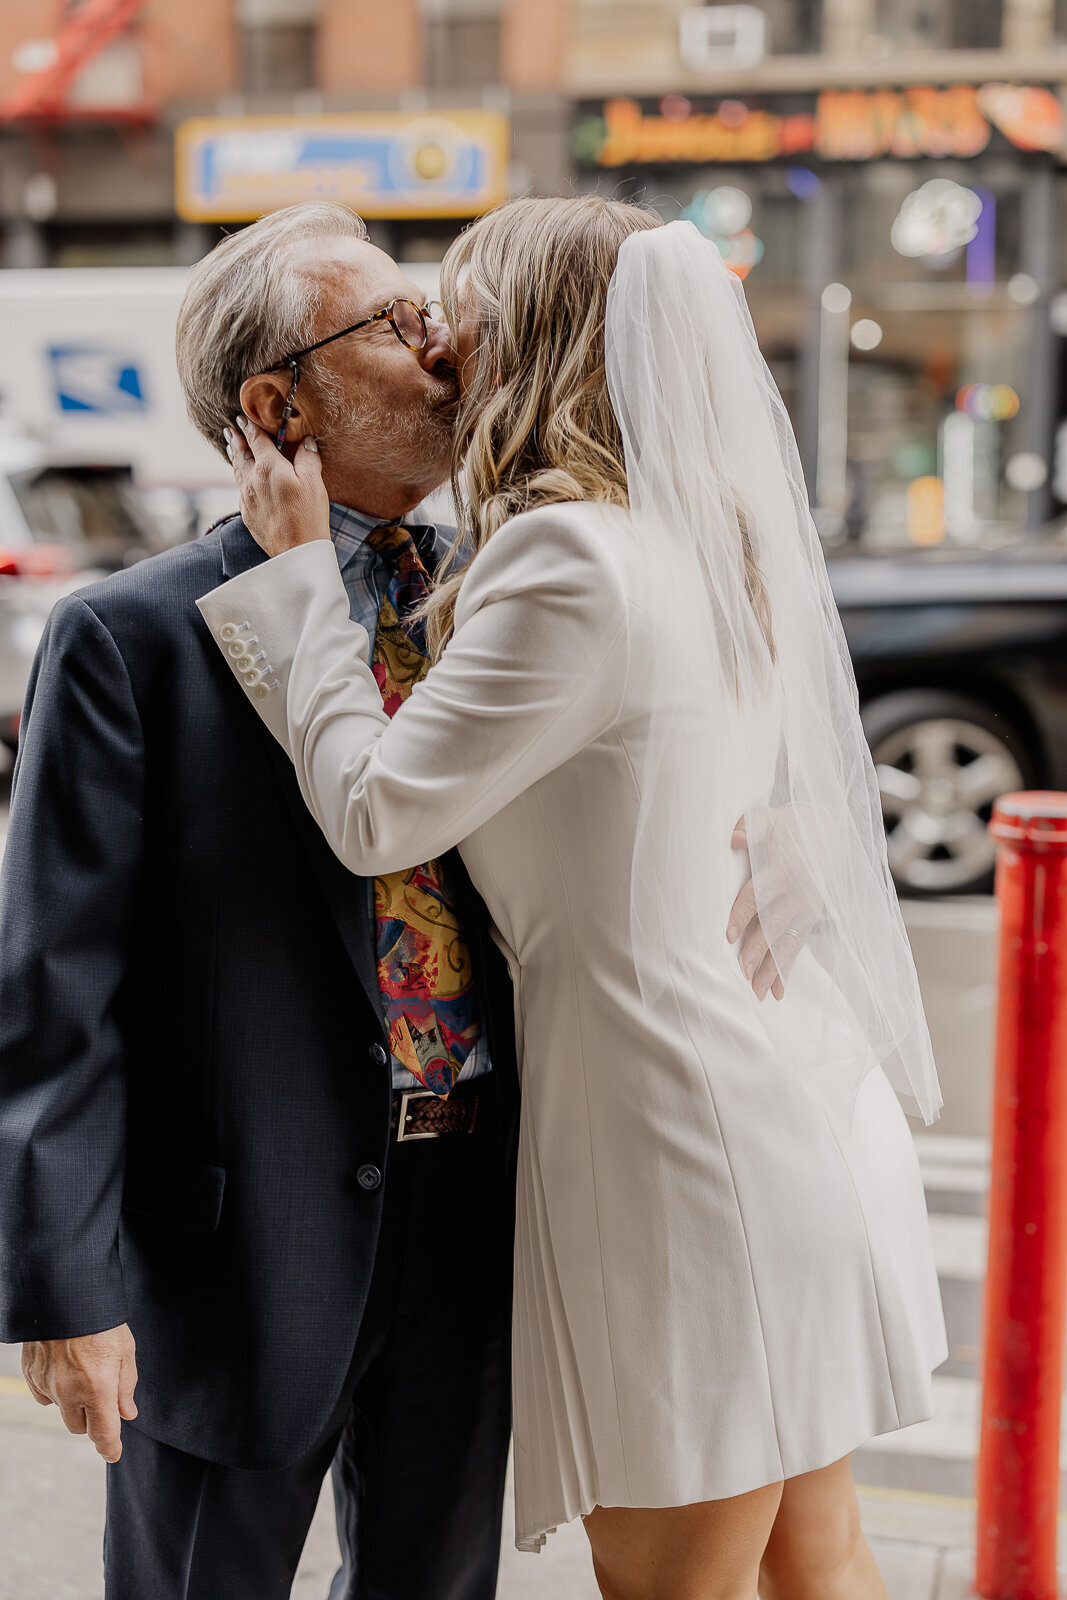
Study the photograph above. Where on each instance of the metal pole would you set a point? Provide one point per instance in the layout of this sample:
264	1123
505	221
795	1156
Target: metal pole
831	463
1026	1285
820	253
1038	258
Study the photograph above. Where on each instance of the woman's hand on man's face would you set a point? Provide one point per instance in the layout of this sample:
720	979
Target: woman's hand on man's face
284	503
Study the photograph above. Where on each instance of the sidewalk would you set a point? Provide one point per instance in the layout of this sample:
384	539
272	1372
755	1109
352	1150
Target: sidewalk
52	1502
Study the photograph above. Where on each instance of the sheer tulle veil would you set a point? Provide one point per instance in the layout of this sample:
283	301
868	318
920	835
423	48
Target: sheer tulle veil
764	722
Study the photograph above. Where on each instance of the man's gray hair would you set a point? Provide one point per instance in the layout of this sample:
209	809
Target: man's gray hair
245	308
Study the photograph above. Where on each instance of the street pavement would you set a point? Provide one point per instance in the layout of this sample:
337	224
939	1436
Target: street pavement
916	1486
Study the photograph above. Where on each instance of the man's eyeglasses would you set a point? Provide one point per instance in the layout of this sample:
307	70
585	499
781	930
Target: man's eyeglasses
407	320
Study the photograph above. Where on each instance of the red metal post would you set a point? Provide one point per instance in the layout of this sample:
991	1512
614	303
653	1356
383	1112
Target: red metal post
1026	1286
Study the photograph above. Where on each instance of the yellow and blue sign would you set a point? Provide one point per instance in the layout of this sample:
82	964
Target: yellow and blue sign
388	164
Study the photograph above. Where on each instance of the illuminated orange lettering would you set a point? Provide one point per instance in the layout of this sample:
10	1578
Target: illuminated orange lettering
848	125
796	133
624	119
885	106
844	131
967	128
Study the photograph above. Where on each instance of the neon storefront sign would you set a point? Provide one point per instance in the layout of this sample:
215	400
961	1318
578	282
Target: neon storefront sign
842	125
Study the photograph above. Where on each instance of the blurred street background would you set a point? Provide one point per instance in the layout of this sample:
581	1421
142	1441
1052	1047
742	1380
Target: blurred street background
889	180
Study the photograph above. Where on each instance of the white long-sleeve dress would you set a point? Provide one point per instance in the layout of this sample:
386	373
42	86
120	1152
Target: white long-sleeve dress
716	1286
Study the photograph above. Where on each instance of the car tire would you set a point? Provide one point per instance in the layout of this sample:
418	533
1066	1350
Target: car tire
941	761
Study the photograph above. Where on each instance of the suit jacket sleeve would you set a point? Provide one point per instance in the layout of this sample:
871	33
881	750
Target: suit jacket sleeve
535	670
66	898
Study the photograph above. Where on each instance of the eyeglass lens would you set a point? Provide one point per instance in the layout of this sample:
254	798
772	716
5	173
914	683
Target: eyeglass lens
409	323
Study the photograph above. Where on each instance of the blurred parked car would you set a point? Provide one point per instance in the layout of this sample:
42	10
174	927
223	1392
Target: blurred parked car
60	527
961	661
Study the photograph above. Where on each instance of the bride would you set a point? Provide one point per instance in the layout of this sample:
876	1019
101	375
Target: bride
724	1281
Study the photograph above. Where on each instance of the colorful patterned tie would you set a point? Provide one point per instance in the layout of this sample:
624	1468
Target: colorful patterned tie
424	964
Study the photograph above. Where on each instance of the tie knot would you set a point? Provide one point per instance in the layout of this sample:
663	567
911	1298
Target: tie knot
397	544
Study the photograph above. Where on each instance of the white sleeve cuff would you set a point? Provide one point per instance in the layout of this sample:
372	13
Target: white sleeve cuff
259	618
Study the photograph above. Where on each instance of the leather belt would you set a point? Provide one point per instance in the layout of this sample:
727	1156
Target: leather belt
418	1114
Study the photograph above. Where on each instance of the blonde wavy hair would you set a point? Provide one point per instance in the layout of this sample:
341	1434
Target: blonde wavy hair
536	426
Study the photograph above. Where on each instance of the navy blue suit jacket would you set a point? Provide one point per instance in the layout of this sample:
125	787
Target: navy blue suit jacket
189	1020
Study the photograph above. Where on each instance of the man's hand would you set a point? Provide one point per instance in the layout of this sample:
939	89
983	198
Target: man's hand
91	1380
793	910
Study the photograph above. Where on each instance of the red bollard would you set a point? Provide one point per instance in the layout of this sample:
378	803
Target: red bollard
1026	1287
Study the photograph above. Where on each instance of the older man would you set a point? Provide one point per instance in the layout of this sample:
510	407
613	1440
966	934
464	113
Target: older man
256	1114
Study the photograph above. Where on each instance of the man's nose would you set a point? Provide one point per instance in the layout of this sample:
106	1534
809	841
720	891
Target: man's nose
438	353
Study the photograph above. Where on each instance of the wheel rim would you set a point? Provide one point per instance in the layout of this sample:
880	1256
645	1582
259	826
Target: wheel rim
938	780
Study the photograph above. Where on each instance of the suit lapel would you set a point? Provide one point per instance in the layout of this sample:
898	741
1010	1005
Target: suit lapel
345	894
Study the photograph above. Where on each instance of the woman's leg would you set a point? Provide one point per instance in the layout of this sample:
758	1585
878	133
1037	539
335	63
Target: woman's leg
703	1552
816	1550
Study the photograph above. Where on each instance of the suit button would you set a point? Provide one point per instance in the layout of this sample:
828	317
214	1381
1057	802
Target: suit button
260	692
369	1177
379	1054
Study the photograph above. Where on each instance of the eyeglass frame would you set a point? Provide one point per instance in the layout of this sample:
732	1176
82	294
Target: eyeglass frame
386	314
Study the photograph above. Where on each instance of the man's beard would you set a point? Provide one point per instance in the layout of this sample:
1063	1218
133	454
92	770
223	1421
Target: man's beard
412	443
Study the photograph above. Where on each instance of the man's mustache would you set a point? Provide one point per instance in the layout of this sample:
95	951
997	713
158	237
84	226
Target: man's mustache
446	402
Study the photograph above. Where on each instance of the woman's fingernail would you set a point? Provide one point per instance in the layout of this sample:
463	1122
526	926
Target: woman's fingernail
242	423
227	434
312	445
731	933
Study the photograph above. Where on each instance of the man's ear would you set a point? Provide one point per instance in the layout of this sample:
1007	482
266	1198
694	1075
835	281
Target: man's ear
263	399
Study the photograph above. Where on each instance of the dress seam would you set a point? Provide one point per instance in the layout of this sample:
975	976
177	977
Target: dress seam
726	1157
592	1158
870	1259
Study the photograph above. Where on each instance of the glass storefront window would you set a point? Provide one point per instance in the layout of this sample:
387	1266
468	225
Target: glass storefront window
935	409
936	364
757	221
920	391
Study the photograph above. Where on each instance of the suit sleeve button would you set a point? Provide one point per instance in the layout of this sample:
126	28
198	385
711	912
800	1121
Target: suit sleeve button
369	1177
379	1055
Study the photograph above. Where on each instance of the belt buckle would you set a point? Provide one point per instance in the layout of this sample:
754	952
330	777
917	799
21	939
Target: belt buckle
402	1137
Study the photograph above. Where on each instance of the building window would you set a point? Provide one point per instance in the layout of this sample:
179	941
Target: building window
976	24
279	44
935	25
793	26
461	42
462	52
279	58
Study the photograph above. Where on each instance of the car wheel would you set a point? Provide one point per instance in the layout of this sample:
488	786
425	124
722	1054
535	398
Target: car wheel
941	761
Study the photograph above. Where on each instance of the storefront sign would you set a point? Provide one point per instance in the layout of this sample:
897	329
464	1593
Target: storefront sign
442	164
841	125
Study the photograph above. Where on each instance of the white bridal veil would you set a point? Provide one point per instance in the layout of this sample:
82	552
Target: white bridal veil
766	709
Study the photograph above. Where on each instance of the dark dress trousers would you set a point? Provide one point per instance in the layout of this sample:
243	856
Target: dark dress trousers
195	1094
